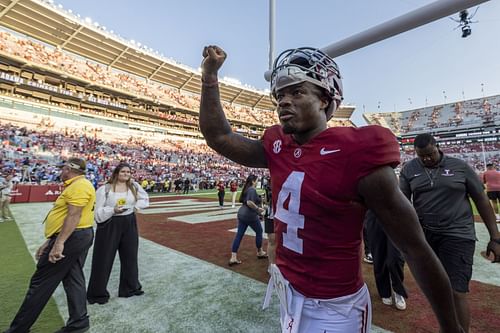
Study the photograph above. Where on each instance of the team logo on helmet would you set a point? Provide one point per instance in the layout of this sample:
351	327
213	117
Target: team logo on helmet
308	64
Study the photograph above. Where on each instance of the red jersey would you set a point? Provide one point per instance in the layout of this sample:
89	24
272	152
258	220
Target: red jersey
221	187
318	212
233	186
492	180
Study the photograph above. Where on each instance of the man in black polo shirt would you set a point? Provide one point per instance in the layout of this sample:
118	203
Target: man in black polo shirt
439	187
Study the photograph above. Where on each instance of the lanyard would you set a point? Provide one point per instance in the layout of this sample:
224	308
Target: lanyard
431	175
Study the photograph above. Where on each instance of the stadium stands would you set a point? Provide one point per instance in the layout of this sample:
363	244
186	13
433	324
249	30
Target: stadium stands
41	146
469	129
480	112
117	92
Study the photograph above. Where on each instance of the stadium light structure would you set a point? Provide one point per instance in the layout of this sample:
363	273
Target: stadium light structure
272	32
400	24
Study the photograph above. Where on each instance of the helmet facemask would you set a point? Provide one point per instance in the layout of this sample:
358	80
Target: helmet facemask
307	64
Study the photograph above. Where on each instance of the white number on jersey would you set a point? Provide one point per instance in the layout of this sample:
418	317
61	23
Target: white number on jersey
291	217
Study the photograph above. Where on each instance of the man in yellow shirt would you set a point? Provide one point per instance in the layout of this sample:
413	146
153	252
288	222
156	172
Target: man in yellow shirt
144	184
69	233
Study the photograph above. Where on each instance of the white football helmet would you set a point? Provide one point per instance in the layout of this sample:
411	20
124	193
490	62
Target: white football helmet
306	64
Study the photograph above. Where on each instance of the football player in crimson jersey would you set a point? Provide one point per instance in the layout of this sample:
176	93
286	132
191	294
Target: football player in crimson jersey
323	181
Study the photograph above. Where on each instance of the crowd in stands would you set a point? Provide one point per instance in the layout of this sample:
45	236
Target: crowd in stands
33	154
475	153
481	111
105	76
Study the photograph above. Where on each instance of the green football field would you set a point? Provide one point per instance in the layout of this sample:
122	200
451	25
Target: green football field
17	267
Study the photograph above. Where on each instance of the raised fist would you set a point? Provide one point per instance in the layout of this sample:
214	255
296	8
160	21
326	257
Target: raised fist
213	58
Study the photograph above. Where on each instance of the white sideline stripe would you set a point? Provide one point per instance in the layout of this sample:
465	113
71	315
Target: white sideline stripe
185	208
211	216
483	270
167	210
182	202
250	231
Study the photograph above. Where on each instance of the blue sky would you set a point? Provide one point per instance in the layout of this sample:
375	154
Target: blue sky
411	70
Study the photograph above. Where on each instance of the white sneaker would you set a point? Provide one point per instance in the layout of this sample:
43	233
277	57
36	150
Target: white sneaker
387	301
232	206
498	217
400	302
368	258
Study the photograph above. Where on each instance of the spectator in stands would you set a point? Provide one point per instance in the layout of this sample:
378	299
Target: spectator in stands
248	216
491	177
6	186
69	233
440	187
322	179
116	203
26	170
388	264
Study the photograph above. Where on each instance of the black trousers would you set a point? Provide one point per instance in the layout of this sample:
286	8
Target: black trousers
388	263
221	195
118	235
48	276
366	242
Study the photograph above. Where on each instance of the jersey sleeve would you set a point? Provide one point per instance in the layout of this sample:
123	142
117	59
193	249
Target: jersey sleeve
377	147
270	135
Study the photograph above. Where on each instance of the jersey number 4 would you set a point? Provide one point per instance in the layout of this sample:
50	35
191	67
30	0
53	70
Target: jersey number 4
291	217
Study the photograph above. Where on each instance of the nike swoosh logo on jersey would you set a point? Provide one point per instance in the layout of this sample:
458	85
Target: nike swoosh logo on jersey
417	174
323	151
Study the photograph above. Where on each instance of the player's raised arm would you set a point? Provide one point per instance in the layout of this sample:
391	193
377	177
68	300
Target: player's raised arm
213	123
381	193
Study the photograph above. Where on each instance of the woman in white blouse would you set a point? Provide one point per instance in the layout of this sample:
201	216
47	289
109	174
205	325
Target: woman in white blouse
115	207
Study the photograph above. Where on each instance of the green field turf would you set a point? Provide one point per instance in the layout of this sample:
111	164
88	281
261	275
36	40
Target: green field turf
474	209
17	268
209	194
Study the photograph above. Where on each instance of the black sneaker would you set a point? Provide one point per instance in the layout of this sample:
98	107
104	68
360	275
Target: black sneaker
98	301
137	292
65	329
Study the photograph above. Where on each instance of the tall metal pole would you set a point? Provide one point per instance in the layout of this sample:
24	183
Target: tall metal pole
272	31
484	155
403	23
